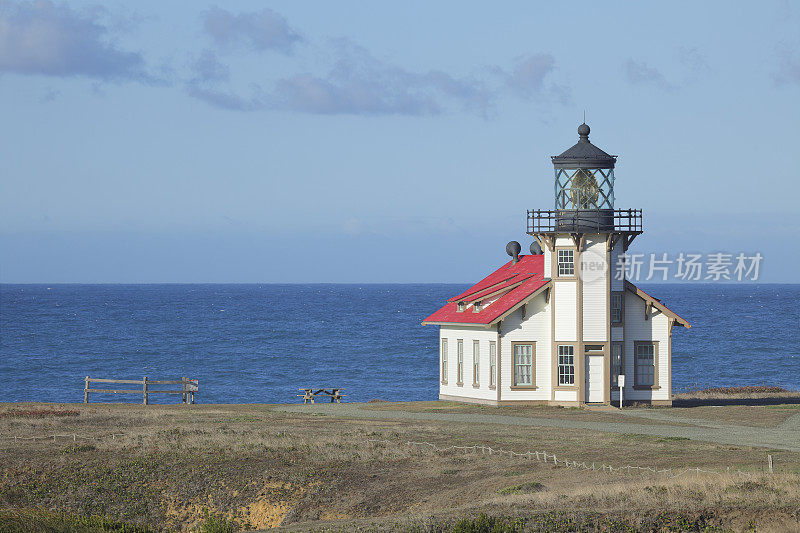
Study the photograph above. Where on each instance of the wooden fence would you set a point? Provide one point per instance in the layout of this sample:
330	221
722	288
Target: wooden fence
187	390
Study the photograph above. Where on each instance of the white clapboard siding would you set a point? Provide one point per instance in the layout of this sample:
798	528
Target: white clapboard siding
548	258
565	297
595	289
536	327
566	396
468	334
639	329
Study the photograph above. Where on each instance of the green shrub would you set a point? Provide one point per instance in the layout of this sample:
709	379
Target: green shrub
522	488
41	521
215	523
486	524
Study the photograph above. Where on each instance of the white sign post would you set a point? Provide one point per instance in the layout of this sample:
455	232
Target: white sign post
621	383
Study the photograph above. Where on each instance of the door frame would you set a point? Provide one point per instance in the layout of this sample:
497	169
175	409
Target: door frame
600	353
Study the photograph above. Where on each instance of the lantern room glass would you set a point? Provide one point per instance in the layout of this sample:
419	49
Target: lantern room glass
584	188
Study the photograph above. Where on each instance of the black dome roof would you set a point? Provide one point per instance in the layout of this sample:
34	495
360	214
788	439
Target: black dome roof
584	154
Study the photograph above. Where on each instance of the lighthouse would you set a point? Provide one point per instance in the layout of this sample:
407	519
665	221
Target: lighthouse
561	325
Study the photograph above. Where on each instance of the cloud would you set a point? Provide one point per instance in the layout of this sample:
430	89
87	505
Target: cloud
360	84
53	40
207	74
527	78
788	68
692	59
260	30
208	68
640	73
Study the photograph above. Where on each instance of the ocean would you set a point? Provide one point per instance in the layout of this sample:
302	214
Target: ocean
260	343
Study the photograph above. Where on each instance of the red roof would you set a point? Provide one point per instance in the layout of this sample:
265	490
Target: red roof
510	284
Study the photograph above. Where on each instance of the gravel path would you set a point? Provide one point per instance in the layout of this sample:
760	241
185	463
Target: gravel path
784	437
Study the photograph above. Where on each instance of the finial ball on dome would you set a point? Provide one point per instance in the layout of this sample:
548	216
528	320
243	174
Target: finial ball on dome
583	129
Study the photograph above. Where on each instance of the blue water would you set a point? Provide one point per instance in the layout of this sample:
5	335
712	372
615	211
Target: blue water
260	343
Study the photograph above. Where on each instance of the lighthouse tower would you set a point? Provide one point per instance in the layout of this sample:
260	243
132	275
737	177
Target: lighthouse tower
583	239
561	325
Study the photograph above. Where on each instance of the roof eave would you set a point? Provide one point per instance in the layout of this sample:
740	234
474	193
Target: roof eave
471	324
657	304
522	302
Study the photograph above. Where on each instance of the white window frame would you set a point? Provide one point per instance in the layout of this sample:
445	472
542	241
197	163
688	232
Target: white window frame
476	363
566	365
565	264
523	368
460	362
444	361
492	364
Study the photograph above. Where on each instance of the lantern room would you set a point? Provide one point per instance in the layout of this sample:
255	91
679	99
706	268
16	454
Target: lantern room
584	176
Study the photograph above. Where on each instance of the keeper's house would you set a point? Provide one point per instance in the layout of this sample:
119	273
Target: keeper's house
561	325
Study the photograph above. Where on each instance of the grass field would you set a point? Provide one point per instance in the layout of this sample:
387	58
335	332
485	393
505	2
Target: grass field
224	468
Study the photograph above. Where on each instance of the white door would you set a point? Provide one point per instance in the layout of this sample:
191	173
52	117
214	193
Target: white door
594	378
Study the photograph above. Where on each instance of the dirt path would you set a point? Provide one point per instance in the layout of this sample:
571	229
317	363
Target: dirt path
784	437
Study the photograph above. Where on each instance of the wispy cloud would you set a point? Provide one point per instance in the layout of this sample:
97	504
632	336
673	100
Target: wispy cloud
640	73
259	30
694	61
360	84
529	75
207	74
54	40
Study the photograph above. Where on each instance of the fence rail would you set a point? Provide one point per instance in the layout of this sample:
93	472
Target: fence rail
187	390
545	457
583	220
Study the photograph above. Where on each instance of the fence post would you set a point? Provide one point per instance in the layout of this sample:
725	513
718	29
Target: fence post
769	462
86	390
144	390
183	390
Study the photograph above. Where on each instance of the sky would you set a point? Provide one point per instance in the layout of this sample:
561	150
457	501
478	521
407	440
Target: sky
297	142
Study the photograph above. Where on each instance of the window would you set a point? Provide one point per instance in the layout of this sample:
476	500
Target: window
477	306
616	308
460	363
616	363
566	365
492	364
566	262
523	365
476	362
461	306
444	361
645	364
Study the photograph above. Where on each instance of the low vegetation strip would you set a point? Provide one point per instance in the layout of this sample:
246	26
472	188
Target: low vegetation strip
37	413
736	390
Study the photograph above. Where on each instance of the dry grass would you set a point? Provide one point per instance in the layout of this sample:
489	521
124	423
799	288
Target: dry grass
527	411
264	468
766	416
